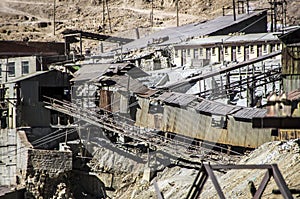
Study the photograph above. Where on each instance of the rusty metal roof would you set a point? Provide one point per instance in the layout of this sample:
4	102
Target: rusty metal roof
249	113
215	108
176	98
294	95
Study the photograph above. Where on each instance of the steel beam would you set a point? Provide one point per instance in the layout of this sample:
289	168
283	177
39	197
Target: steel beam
281	183
214	180
263	185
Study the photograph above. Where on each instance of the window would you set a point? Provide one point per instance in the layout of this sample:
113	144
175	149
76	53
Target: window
183	52
251	49
25	67
265	48
176	53
201	52
11	69
239	50
196	53
188	52
213	51
226	50
278	46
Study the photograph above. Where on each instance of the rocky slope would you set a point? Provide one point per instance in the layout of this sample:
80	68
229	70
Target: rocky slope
34	18
175	182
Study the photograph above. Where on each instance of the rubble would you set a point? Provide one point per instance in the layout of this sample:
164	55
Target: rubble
174	182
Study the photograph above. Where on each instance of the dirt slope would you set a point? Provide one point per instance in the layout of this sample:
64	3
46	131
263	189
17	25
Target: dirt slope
20	18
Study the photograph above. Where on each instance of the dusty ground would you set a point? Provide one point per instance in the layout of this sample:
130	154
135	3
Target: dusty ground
175	182
20	19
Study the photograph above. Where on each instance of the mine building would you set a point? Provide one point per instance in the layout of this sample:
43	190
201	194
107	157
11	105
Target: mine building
225	49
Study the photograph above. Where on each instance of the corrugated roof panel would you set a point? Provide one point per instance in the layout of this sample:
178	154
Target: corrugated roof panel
181	33
90	71
249	113
176	98
215	108
134	85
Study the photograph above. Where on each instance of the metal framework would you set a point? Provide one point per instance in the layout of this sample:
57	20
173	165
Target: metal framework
206	171
178	146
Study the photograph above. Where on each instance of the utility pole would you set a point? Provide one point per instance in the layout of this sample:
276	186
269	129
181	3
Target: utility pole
54	16
177	13
151	15
233	7
108	15
103	15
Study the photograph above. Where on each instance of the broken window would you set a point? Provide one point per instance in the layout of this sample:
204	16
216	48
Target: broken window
219	121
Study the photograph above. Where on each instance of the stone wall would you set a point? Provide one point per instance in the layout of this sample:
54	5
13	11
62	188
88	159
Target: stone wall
7	157
23	145
54	162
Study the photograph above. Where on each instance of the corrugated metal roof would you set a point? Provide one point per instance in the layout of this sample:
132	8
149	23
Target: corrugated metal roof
134	85
136	72
215	108
90	71
249	113
181	33
25	77
294	95
224	39
176	98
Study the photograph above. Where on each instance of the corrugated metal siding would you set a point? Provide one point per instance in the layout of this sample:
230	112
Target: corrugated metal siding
288	134
105	99
115	102
142	113
192	124
290	60
242	134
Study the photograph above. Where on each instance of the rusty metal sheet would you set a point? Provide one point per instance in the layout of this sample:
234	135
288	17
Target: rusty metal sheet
294	95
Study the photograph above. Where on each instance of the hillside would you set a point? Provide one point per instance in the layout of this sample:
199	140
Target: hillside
33	19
